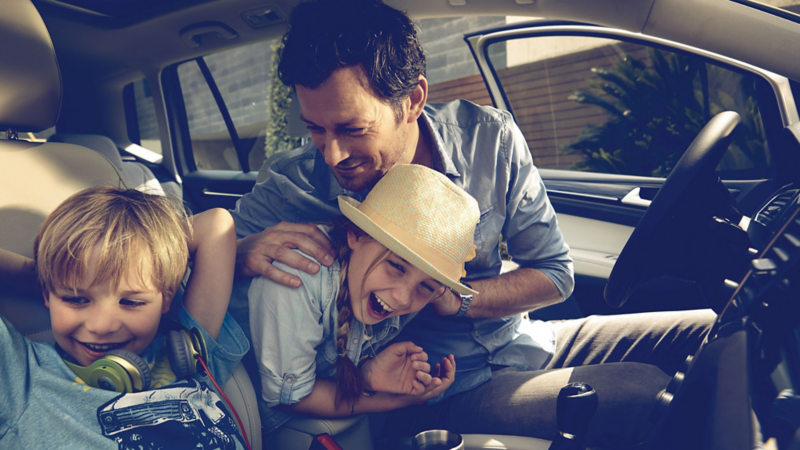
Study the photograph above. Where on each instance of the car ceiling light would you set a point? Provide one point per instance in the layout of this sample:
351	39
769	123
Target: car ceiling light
525	2
262	17
457	2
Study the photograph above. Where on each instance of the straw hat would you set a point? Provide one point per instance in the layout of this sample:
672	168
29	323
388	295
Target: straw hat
423	217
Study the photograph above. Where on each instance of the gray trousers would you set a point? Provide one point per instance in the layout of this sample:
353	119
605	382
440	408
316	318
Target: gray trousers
627	359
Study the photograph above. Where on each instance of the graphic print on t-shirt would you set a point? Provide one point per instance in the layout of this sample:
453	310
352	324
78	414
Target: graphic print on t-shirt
185	415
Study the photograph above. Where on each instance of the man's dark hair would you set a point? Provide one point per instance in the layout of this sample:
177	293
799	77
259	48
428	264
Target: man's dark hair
325	35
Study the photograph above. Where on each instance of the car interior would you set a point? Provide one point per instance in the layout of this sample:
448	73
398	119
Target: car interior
707	233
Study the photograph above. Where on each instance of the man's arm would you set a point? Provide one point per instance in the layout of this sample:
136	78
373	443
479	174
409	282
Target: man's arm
545	276
213	244
519	291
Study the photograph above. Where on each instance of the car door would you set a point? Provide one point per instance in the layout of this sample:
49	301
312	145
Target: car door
607	113
228	113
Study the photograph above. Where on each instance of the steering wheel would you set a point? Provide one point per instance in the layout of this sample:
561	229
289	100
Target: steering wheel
690	185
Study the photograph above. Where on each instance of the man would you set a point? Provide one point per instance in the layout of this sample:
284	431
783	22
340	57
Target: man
359	74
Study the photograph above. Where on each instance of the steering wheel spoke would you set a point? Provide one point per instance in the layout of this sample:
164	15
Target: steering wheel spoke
677	223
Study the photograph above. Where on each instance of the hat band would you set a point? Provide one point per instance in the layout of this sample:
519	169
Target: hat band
431	255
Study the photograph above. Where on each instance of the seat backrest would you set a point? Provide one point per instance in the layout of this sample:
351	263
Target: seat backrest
139	175
35	178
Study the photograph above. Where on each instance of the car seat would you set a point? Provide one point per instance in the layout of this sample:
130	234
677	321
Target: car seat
138	174
36	177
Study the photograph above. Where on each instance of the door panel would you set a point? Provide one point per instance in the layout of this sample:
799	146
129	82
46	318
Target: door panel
607	114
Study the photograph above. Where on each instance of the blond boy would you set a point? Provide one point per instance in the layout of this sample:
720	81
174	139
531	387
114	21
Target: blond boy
109	262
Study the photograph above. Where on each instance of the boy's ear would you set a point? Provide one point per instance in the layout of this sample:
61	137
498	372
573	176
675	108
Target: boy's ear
46	296
165	306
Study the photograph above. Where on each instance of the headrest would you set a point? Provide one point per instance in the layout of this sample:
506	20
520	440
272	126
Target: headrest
96	142
30	82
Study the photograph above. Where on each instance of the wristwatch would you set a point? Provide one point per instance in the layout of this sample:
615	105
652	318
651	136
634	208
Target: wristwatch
466	301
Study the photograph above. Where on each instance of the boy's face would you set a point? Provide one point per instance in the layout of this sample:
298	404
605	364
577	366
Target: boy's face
393	287
100	318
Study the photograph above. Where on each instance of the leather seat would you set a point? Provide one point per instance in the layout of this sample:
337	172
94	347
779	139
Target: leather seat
139	175
36	177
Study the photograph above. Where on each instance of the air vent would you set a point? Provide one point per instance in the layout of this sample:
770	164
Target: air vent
774	207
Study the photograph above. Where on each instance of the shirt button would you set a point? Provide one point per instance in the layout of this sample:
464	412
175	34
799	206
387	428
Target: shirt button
476	333
355	341
290	379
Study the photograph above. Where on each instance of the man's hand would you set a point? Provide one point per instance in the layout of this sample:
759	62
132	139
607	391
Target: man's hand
401	368
447	304
255	253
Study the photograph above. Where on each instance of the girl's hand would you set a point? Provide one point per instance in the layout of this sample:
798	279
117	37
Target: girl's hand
444	374
401	368
439	383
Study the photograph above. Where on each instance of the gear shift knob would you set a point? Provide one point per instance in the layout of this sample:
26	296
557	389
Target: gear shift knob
577	403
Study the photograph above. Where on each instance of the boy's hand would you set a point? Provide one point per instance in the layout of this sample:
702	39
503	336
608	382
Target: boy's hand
255	253
401	368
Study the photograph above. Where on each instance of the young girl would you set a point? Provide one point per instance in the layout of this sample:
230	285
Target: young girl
318	347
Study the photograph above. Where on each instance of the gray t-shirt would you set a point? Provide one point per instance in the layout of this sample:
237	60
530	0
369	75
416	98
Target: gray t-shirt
44	405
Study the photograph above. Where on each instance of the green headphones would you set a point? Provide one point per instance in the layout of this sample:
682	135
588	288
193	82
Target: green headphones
126	372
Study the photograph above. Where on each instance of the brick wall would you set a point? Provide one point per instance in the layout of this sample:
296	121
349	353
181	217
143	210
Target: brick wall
538	94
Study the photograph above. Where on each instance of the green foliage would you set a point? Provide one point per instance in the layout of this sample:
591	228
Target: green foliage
277	138
655	110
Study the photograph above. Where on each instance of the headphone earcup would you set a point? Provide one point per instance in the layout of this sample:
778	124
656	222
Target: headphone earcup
180	354
117	371
138	363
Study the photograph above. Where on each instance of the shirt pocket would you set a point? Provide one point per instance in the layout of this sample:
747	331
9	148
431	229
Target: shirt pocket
487	234
326	356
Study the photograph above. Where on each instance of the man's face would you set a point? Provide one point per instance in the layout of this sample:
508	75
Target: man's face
97	318
358	134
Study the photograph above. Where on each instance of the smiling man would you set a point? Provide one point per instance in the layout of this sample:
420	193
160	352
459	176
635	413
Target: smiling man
359	73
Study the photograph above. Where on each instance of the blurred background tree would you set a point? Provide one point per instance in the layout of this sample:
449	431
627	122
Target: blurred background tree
655	109
277	138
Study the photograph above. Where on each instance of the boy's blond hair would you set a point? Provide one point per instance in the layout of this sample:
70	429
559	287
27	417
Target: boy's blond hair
135	231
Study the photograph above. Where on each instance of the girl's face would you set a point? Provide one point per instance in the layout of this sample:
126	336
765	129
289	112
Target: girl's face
392	287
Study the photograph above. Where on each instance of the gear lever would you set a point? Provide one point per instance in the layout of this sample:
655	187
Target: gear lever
577	403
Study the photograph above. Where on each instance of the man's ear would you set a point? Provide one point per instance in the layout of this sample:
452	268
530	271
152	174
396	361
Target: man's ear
417	99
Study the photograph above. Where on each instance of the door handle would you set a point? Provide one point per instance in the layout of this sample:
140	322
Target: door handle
633	198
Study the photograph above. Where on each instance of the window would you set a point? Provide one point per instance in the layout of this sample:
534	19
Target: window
601	105
247	97
142	123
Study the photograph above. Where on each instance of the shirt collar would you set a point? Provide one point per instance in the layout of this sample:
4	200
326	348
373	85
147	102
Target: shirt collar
442	161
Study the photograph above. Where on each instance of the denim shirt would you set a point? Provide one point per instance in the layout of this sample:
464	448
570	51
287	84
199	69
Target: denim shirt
483	151
294	337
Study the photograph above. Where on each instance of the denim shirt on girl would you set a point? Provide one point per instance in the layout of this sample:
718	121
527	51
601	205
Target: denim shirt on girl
294	337
482	151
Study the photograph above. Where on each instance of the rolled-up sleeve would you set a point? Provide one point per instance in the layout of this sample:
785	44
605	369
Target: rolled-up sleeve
531	229
286	327
225	352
